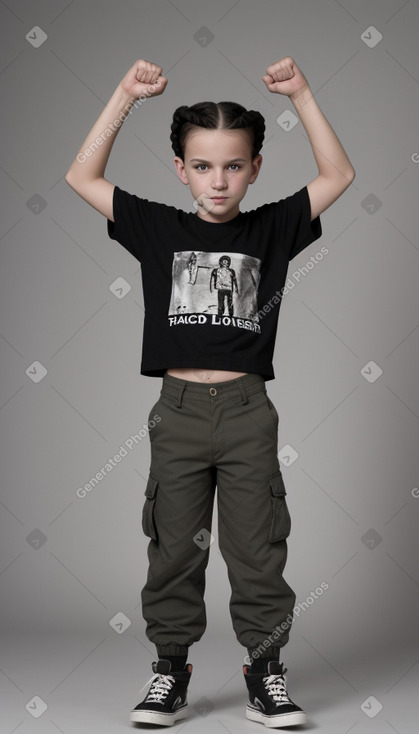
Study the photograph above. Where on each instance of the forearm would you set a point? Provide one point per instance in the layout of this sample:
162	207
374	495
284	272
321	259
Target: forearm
90	162
328	152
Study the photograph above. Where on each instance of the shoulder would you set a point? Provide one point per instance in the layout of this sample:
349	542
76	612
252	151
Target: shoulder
299	199
150	206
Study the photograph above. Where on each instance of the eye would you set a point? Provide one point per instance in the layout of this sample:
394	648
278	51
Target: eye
236	166
199	166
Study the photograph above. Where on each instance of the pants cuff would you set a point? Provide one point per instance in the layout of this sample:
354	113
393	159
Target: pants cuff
172	650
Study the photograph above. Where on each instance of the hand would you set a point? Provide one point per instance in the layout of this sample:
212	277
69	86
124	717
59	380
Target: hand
144	79
284	77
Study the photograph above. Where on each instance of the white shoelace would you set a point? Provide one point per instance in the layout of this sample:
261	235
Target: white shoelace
160	687
276	687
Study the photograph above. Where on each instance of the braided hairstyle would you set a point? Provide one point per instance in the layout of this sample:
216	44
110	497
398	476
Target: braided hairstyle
215	116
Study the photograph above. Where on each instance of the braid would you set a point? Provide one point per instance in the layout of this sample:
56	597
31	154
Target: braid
212	116
178	120
202	114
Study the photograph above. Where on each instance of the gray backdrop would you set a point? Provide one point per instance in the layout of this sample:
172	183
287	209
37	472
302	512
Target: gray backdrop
346	359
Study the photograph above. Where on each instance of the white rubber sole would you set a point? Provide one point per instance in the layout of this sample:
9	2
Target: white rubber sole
278	721
153	717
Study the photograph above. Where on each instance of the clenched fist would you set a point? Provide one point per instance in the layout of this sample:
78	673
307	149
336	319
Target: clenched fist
144	79
284	77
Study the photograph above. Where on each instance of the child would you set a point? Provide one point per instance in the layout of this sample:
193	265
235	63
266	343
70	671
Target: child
212	283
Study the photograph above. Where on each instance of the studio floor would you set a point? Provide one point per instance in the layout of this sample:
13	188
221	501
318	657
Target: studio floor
79	684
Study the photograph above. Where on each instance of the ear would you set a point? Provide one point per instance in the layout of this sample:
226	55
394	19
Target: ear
256	164
180	170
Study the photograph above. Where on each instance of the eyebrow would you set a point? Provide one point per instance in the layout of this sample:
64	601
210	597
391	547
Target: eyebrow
202	160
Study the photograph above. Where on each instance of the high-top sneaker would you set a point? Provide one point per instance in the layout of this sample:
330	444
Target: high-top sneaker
165	703
269	703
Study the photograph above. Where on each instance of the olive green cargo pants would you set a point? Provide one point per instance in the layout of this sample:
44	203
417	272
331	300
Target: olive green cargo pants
205	436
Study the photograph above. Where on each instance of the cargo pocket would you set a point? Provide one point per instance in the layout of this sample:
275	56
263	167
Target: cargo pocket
281	520
147	521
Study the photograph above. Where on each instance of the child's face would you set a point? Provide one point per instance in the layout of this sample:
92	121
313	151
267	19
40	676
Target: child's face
218	163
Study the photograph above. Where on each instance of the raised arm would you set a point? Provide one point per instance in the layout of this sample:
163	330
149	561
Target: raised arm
86	173
336	172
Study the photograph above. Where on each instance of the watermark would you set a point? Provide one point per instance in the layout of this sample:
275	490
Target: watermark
270	640
205	202
113	126
415	492
292	281
371	706
103	472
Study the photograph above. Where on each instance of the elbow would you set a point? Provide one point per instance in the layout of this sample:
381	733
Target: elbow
73	181
350	175
74	173
68	177
70	182
74	184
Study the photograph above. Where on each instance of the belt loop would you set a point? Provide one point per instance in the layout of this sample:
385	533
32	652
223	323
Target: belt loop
242	389
180	394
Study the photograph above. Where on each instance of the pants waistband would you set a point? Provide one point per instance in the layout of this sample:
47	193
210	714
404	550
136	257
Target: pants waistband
242	387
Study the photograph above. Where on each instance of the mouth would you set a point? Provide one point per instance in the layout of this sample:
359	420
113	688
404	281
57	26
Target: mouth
219	198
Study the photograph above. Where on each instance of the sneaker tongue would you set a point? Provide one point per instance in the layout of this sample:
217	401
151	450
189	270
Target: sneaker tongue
274	667
162	666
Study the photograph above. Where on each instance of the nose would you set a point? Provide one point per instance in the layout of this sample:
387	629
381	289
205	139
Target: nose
218	179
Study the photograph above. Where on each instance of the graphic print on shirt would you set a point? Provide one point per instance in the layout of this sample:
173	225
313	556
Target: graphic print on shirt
219	288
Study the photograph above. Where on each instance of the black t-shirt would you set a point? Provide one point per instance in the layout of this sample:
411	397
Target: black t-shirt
212	291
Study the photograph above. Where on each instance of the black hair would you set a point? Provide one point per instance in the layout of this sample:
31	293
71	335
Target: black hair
225	257
215	116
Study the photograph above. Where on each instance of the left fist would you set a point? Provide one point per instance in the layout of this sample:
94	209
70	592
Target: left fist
284	77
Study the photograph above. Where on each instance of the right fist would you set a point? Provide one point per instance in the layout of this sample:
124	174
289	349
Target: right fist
144	78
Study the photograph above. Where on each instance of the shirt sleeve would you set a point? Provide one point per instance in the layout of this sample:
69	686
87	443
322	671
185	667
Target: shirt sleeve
132	224
296	229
